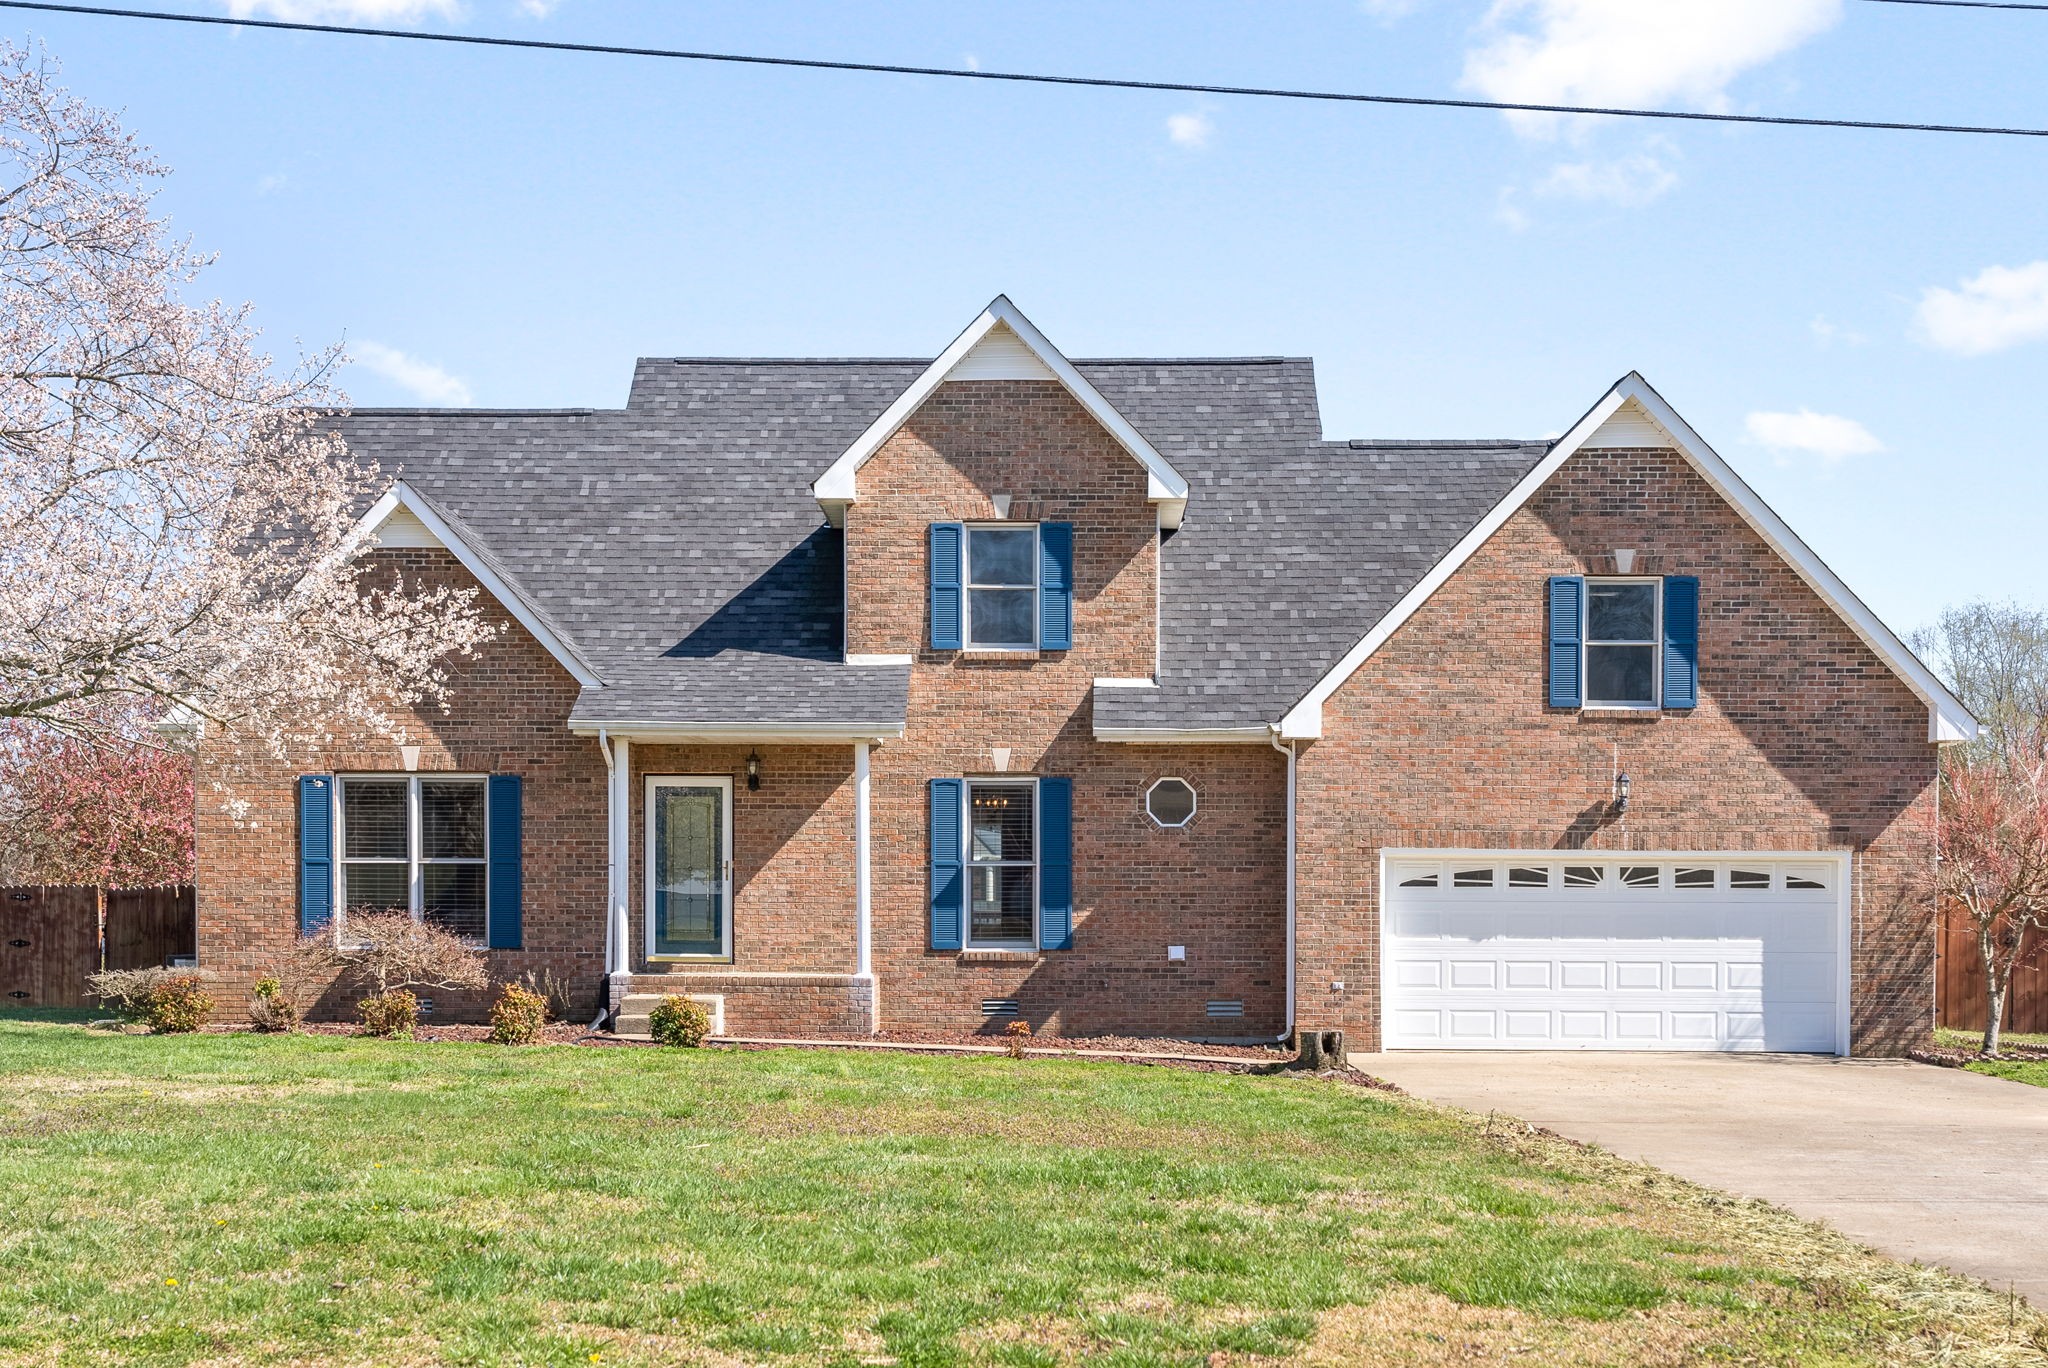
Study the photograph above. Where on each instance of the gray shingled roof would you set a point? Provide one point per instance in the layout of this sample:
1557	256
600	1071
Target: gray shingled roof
676	545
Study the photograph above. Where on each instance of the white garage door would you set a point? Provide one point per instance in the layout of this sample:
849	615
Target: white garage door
1520	950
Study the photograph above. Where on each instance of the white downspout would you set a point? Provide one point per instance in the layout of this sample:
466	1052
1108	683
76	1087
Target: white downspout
863	885
621	814
611	867
1286	748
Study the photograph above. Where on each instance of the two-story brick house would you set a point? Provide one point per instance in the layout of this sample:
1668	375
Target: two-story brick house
860	695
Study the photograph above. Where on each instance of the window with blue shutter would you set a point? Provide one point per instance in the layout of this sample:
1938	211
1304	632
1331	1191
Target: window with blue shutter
1056	864
948	587
1681	641
1567	610
1056	586
503	818
316	853
948	853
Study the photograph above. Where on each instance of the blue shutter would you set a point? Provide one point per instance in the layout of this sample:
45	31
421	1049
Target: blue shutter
501	850
316	853
1056	586
1681	641
948	555
1567	612
1055	864
948	853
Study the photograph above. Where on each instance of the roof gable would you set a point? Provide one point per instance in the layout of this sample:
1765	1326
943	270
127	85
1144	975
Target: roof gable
1634	414
404	517
1002	344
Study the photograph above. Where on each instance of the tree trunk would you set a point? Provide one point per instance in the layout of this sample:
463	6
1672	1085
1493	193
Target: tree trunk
1994	1012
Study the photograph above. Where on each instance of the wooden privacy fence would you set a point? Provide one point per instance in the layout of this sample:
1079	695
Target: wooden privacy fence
50	938
1959	997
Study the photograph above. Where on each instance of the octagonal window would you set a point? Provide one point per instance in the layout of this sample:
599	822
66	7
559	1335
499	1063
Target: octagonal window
1171	802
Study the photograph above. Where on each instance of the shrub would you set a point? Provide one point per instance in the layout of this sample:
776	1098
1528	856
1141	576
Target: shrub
679	1021
271	1008
178	1003
389	950
518	1015
127	991
392	1015
1014	1036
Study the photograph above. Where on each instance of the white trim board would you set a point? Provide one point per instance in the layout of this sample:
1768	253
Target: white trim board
401	500
654	733
1164	485
1947	718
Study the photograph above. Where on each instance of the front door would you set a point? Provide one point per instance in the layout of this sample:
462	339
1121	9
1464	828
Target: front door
689	867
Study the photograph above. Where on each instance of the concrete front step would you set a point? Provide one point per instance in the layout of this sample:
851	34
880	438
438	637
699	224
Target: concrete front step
631	1021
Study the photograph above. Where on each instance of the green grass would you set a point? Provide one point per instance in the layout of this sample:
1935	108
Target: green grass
2034	1071
234	1199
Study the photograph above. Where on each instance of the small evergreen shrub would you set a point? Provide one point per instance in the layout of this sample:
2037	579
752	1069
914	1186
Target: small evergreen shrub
518	1015
679	1021
392	1015
176	1004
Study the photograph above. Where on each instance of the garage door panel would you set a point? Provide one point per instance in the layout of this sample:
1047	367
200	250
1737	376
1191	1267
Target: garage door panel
1518	962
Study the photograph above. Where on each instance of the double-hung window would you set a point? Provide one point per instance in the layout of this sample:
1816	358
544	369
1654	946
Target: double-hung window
1002	865
1002	588
415	843
1622	632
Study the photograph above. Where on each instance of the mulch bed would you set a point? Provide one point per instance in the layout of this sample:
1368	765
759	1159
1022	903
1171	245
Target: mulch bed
1150	1051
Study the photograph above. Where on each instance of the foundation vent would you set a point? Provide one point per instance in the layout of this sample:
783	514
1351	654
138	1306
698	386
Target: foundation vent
995	1007
1220	1007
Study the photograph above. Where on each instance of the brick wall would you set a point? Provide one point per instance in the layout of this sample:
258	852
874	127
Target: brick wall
1803	739
509	714
1217	887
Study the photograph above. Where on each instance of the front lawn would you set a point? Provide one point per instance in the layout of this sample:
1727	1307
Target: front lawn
233	1199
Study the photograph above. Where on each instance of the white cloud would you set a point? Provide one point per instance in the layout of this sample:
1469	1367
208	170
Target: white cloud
1829	436
1632	52
537	9
2000	307
970	61
1509	211
1389	11
1827	333
1189	130
1633	180
423	379
345	11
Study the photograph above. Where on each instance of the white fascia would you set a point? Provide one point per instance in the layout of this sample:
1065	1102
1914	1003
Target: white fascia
1164	485
1186	736
1947	718
400	495
770	733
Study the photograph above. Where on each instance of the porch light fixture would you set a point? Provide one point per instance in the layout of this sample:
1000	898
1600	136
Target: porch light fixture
753	771
1621	792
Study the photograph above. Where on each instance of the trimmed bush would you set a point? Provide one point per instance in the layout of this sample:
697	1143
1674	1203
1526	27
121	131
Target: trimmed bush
679	1021
1014	1036
392	1015
271	1008
176	1004
518	1015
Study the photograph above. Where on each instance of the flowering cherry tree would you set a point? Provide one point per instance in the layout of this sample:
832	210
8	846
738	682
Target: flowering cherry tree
176	519
1993	836
94	810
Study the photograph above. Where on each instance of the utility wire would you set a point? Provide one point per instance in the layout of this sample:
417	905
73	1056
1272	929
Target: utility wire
1966	4
1031	78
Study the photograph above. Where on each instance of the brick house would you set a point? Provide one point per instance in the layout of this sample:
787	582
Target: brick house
884	694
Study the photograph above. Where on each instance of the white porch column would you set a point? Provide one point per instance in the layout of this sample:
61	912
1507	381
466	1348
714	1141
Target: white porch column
621	813
863	936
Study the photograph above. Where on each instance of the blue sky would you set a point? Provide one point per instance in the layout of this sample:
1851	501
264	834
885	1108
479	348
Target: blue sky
1858	321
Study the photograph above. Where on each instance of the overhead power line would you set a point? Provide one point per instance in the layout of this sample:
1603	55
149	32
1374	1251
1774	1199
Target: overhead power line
1966	4
1024	77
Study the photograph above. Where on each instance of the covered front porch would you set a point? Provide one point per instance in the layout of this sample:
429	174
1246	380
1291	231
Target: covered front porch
739	873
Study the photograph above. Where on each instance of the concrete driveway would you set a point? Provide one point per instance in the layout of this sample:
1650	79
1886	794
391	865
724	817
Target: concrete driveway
1932	1164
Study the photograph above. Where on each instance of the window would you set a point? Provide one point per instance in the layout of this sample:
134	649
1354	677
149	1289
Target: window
1749	878
1692	877
1584	876
1621	643
1002	588
414	843
1639	876
1529	876
689	867
1472	878
1002	865
1171	802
